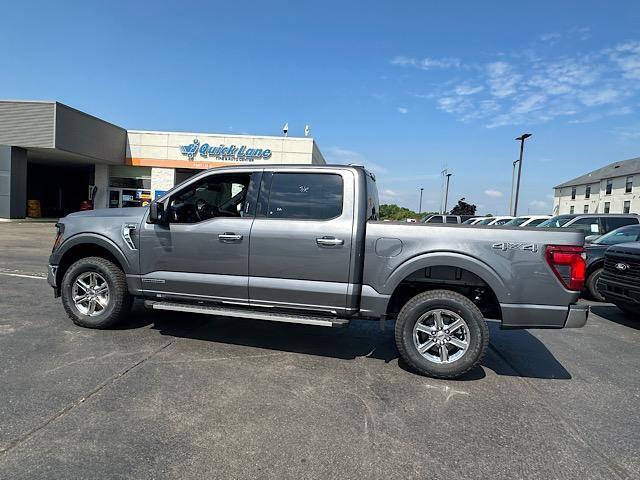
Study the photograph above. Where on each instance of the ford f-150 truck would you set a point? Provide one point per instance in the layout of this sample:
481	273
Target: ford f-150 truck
303	244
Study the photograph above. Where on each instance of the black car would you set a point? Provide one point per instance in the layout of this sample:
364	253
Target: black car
595	255
620	279
592	223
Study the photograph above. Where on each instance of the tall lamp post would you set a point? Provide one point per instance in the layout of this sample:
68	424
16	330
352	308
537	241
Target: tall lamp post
446	192
521	139
513	179
420	207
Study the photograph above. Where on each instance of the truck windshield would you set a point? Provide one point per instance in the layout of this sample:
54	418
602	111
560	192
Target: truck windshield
516	222
486	221
620	235
556	222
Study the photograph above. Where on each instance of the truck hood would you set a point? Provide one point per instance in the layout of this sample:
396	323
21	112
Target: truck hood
128	212
631	247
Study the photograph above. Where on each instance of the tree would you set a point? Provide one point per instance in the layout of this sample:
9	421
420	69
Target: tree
395	213
463	208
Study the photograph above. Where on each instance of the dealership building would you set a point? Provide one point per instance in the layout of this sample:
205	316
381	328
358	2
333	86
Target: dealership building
610	189
55	159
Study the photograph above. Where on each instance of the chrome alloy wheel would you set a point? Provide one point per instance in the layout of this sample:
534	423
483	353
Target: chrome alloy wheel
441	336
90	293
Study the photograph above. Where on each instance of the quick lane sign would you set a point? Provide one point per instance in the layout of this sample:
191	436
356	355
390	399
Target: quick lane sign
223	152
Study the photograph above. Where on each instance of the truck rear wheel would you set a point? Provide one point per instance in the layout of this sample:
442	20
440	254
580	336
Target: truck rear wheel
441	334
94	293
592	285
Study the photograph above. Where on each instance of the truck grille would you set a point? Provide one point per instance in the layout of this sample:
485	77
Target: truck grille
629	275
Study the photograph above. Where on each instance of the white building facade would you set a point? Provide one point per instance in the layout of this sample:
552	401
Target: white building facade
614	188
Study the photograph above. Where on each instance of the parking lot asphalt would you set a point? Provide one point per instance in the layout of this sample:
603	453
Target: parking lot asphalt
186	396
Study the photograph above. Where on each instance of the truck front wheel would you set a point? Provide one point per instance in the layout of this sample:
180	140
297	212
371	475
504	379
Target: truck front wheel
94	293
441	334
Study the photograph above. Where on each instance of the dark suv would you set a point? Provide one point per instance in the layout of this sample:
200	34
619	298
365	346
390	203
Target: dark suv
592	224
620	280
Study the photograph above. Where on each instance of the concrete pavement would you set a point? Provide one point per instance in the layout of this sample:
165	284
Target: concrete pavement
174	395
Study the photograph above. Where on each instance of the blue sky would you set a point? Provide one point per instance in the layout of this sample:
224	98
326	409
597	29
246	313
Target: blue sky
404	87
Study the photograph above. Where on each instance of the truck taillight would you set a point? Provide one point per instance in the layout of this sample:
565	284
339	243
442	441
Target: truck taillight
568	264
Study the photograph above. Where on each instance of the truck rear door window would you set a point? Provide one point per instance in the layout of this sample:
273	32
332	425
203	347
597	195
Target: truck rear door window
308	196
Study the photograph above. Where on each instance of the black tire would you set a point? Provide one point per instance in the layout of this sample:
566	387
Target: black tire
592	285
433	300
119	300
629	310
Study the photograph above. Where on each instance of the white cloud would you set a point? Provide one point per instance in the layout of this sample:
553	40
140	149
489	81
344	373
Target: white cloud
453	104
631	131
530	103
465	89
546	37
426	63
531	86
502	79
627	57
403	110
375	168
598	97
493	193
539	204
342	155
345	156
389	193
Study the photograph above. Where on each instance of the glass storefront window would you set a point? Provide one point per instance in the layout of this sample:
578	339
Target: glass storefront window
129	186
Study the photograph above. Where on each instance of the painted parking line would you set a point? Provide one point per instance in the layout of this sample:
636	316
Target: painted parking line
24	275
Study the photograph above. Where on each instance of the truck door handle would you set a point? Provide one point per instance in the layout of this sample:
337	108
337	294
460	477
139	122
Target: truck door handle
229	237
329	241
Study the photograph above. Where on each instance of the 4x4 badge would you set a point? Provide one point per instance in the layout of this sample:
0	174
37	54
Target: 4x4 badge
504	246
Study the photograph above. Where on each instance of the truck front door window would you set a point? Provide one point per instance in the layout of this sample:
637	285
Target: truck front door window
214	196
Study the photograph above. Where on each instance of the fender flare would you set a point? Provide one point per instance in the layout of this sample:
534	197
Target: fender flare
94	239
448	259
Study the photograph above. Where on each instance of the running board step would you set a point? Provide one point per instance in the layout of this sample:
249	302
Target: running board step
246	313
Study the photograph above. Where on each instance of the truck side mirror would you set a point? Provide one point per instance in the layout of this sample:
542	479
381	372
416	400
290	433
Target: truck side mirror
156	212
591	238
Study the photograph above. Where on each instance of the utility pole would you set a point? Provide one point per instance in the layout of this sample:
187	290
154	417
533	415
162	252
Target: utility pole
521	139
513	178
420	207
442	173
446	194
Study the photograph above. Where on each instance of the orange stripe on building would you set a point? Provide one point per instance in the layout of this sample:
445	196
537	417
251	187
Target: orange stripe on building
157	162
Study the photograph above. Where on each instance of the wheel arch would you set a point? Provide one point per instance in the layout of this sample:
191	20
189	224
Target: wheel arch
594	266
88	245
446	270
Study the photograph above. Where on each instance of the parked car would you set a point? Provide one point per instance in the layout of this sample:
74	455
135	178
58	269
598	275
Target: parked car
497	221
527	221
620	279
473	220
442	219
591	223
595	255
303	245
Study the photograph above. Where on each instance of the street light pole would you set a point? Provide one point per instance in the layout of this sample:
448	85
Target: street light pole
513	178
446	193
521	139
420	207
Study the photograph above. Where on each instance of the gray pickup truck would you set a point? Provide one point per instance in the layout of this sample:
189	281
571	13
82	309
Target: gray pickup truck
303	244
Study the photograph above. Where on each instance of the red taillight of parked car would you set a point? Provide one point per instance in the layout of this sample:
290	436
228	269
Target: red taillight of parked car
569	265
